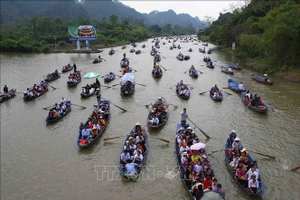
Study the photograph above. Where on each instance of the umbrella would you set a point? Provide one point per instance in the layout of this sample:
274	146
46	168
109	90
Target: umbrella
197	146
91	75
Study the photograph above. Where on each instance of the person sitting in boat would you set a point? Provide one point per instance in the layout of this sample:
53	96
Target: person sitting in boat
125	157
138	158
57	106
56	72
86	132
92	91
259	101
266	77
186	92
237	144
241	85
254	100
63	106
253	185
155	120
184	148
94	131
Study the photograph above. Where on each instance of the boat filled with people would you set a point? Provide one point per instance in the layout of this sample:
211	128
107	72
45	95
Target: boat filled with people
235	86
109	77
193	72
209	64
74	78
111	52
242	167
157	72
158	114
7	94
58	111
182	90
127	84
95	126
216	94
67	68
97	60
35	91
254	102
138	52
52	76
90	90
124	62
196	171
227	70
261	79
134	153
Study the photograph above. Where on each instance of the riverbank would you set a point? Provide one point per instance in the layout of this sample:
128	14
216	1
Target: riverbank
263	65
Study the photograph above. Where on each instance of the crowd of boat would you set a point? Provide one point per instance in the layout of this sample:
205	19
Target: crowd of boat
195	168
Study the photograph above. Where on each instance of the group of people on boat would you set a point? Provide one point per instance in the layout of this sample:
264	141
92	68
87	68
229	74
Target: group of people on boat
215	92
36	90
135	146
126	70
198	173
206	59
158	112
156	70
90	89
247	172
124	62
109	76
52	75
59	109
95	123
67	67
74	77
182	89
253	100
127	86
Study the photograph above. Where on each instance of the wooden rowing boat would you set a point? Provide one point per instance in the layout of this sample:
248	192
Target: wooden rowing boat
52	78
28	98
11	93
160	108
97	60
261	79
217	98
67	69
227	70
133	134
109	77
261	109
232	172
234	86
193	73
124	63
127	84
183	96
234	66
54	119
157	73
78	79
92	139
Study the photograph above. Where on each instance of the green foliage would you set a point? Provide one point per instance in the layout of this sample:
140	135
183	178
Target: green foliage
37	34
268	30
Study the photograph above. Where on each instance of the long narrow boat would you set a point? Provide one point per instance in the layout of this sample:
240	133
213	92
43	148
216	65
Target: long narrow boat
182	167
11	93
109	77
88	142
234	86
52	77
127	84
183	96
85	95
216	98
54	119
77	74
261	109
261	79
67	69
159	108
210	65
228	159
227	70
97	60
28	98
111	52
144	143
234	66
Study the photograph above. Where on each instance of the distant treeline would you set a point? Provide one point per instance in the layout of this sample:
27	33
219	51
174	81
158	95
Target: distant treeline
263	30
37	34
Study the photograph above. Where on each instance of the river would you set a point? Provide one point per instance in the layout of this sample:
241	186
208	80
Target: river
40	161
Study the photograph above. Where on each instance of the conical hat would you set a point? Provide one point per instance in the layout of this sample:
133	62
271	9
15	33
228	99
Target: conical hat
138	123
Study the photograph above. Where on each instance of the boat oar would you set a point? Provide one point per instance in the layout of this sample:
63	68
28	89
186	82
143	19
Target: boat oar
200	72
134	69
115	84
79	106
215	151
295	168
117	106
105	86
48	107
186	71
203	92
172	86
167	141
140	84
226	88
263	154
164	68
111	138
207	136
54	88
228	93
